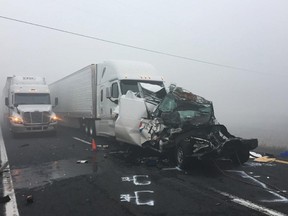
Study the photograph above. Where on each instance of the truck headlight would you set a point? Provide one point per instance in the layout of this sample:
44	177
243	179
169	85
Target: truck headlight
53	117
16	119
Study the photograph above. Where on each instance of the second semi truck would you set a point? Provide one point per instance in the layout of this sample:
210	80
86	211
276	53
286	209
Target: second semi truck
28	106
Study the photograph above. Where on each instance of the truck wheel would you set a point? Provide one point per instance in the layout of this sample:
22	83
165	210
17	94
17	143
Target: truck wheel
86	128
82	125
241	156
181	159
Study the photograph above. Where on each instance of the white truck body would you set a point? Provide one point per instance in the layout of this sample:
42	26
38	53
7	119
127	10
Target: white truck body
100	98
28	106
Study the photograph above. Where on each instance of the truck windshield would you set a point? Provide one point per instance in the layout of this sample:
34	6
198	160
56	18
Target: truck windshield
132	85
29	98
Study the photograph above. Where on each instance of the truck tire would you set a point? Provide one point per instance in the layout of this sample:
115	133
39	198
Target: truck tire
92	131
86	127
82	125
181	157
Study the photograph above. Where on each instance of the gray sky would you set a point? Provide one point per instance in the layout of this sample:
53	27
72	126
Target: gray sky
250	34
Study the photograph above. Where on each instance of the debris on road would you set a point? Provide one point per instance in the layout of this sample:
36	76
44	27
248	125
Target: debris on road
255	155
24	145
5	199
29	199
267	159
269	155
82	161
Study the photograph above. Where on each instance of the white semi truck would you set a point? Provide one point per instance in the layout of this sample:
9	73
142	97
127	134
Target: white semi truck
128	101
90	98
28	106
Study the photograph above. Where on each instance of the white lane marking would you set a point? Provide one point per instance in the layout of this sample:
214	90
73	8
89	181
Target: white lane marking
86	142
81	140
11	208
280	198
172	168
166	169
250	204
245	175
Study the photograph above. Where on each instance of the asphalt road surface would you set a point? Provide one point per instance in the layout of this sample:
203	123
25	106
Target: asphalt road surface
61	175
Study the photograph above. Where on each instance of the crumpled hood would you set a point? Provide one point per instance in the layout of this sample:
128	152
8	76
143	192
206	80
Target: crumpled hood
35	108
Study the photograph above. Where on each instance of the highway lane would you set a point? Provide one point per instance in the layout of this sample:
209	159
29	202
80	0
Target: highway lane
65	177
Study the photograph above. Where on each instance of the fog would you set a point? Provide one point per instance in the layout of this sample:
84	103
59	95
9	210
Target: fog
235	51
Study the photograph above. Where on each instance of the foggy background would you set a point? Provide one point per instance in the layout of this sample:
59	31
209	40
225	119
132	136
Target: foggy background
236	51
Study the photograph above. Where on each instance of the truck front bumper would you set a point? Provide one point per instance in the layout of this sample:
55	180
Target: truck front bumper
31	128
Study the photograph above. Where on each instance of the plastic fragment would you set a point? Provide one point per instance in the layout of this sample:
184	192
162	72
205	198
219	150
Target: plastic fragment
267	159
82	161
255	155
5	199
29	199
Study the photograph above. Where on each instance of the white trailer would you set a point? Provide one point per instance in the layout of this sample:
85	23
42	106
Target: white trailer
28	106
98	98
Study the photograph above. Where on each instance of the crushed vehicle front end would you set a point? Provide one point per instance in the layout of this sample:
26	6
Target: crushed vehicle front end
185	122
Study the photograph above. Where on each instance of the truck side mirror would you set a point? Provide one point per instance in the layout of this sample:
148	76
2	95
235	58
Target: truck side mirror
108	92
6	101
56	101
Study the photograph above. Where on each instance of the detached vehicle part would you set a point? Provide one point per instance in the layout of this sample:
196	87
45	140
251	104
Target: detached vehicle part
184	123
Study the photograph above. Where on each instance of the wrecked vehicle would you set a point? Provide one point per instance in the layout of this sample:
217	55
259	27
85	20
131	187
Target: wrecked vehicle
184	123
114	97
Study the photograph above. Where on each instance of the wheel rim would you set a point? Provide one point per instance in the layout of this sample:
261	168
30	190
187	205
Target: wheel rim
91	130
86	129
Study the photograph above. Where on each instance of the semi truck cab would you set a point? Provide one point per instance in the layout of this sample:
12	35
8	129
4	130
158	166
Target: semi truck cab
28	105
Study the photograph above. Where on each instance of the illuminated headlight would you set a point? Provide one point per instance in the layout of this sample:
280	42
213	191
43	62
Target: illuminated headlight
53	117
16	119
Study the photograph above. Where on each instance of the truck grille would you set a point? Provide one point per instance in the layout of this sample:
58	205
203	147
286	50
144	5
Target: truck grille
36	117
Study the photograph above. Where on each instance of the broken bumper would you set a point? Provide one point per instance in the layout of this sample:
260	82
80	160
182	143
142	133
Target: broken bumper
20	128
225	149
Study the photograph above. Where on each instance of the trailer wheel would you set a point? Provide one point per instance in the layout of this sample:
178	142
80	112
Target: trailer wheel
86	127
82	125
181	158
92	131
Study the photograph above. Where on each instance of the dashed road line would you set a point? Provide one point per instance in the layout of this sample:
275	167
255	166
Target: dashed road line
81	140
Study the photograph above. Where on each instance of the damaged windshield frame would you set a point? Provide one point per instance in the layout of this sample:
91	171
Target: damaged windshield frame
132	85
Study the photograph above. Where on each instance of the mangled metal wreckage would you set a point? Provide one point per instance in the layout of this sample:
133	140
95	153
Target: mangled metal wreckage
179	122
